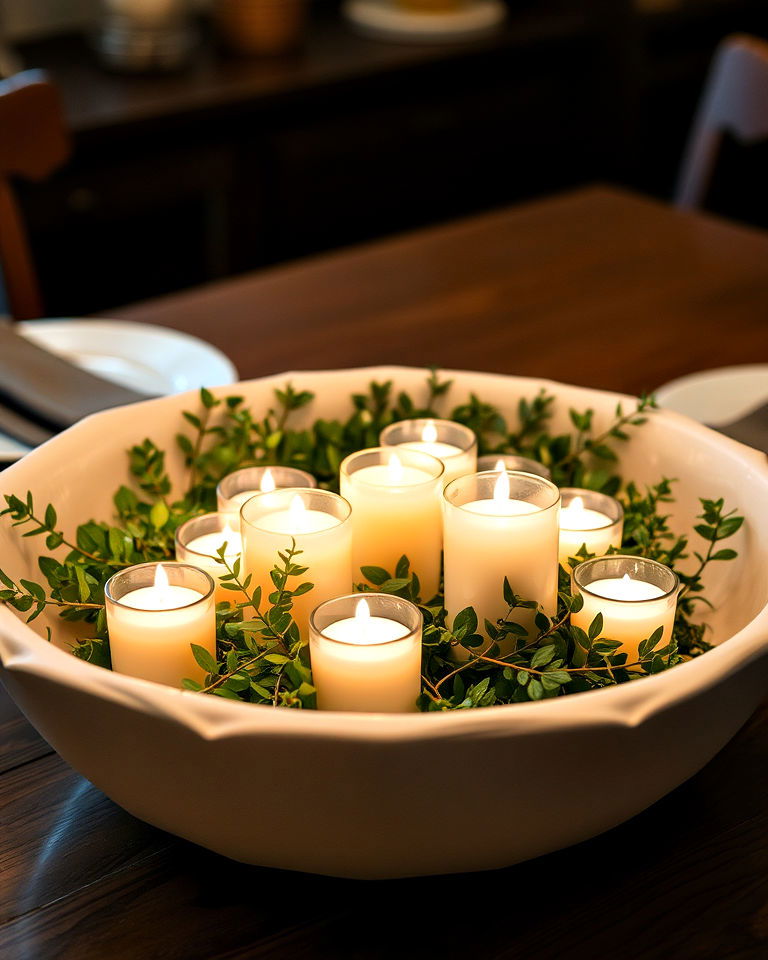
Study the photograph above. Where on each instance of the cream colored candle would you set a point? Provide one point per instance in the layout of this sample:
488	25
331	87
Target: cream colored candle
588	519
237	488
500	525
395	512
318	522
452	443
198	542
634	595
509	461
155	612
366	653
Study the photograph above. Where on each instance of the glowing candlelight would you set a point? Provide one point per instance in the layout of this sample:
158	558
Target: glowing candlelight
500	525
452	443
370	660
395	511
634	595
198	542
317	521
153	618
588	519
238	487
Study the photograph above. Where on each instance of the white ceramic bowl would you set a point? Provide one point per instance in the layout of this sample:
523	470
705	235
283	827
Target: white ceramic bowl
372	795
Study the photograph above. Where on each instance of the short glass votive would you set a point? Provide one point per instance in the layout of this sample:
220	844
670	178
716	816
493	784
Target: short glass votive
510	461
318	522
589	519
395	498
234	489
198	542
635	596
499	525
155	612
366	653
452	443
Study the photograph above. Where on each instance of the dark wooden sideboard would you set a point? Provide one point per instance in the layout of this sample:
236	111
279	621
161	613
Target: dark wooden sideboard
236	163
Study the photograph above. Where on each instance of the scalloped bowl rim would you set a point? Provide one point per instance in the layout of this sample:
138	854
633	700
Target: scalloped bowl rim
625	705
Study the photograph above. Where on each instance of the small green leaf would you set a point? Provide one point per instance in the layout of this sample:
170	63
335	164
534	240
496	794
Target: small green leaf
204	659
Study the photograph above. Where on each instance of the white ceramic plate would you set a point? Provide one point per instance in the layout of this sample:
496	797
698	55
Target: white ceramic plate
154	360
717	397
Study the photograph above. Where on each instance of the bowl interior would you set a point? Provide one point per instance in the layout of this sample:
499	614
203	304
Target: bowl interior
79	470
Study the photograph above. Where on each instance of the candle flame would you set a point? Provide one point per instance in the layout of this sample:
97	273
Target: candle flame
500	466
501	487
296	511
395	469
626	578
362	612
429	433
576	504
267	482
161	577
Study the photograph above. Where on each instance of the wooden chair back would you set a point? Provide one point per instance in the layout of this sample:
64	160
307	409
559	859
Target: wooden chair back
33	142
735	101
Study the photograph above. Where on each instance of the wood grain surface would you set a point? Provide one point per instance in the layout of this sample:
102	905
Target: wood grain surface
597	287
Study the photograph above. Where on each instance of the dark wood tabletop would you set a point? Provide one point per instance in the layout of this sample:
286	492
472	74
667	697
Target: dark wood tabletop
600	288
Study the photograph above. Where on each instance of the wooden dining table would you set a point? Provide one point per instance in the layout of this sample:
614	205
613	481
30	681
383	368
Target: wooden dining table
597	287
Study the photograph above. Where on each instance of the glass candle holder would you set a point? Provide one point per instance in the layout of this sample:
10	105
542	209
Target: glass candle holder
155	612
238	487
588	519
395	498
198	541
318	522
366	653
634	595
145	35
510	461
500	525
452	443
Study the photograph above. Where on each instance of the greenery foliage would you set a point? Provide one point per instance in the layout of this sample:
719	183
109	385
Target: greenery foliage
260	657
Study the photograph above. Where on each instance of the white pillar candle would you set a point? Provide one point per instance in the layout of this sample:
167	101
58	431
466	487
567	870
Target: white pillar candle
366	653
198	542
500	525
395	512
452	443
317	521
635	596
237	488
588	519
509	461
155	612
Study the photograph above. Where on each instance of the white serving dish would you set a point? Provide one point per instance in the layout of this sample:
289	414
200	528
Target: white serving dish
371	795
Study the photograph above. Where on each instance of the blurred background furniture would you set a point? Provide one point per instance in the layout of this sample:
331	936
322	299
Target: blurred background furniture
240	162
33	144
735	101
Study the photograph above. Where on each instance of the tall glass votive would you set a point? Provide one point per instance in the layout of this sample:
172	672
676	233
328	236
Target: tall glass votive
366	653
155	612
198	542
635	596
234	489
510	461
452	443
395	498
318	522
500	525
589	519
